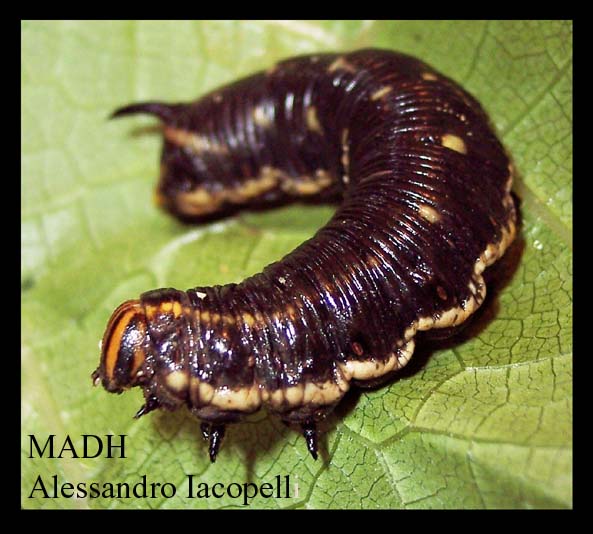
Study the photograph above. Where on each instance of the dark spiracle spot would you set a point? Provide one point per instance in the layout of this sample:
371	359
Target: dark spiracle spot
358	345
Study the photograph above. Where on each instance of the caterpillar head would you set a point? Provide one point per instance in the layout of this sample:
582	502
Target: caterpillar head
143	336
123	348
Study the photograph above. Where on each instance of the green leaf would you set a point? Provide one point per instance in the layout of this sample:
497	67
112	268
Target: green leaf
485	421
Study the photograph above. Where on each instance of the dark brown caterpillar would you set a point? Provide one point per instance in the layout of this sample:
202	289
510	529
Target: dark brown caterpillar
426	207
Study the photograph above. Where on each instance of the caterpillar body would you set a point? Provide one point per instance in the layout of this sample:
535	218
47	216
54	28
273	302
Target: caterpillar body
426	206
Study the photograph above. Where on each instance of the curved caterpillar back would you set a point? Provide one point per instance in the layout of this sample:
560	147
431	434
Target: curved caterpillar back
425	208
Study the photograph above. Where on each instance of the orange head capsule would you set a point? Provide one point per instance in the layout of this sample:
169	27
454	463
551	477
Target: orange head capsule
123	348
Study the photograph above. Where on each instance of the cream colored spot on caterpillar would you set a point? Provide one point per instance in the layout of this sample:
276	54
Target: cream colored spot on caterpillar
192	141
291	312
205	393
452	317
301	188
260	117
369	368
380	93
321	394
429	213
341	64
196	202
276	398
509	204
454	142
255	187
373	261
245	399
295	395
321	175
411	331
200	202
345	155
307	185
228	320
248	319
307	393
404	354
201	294
265	394
341	379
429	76
495	251
312	121
345	134
509	182
176	309
177	381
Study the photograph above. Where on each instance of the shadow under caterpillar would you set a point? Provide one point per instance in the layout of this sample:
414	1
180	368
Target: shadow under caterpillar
426	206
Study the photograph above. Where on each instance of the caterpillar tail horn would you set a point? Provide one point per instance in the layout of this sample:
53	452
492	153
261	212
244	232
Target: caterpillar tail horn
165	112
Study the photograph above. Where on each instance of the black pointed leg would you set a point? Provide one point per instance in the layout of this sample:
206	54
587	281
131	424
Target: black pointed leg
151	404
216	435
205	429
310	433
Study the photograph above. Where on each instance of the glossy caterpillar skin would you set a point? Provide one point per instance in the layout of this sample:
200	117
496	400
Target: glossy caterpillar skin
426	207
